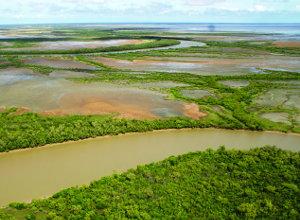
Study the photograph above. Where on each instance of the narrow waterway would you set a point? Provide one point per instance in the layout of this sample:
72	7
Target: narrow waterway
183	44
40	172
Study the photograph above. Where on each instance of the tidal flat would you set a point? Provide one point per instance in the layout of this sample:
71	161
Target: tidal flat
203	66
150	75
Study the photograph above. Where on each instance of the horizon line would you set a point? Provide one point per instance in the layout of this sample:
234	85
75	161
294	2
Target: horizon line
62	23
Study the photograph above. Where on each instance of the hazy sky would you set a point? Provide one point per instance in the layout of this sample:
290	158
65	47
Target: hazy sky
60	11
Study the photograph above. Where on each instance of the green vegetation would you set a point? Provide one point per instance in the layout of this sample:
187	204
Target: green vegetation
209	51
215	49
224	184
268	47
239	111
261	183
31	130
234	108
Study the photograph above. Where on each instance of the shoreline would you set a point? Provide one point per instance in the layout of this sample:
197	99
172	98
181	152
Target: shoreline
137	133
81	162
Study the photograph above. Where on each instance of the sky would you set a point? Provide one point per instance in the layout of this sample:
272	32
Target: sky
139	11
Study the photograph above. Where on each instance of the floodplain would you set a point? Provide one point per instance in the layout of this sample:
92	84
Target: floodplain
230	88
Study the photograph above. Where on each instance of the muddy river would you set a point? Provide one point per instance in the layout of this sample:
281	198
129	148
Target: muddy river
40	172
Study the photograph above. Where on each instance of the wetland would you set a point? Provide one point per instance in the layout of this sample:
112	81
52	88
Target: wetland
60	86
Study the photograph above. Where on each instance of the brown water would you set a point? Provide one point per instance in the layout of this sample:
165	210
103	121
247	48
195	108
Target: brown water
292	44
40	172
57	96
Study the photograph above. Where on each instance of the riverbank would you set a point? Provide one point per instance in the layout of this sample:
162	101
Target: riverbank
80	162
257	183
33	130
149	132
